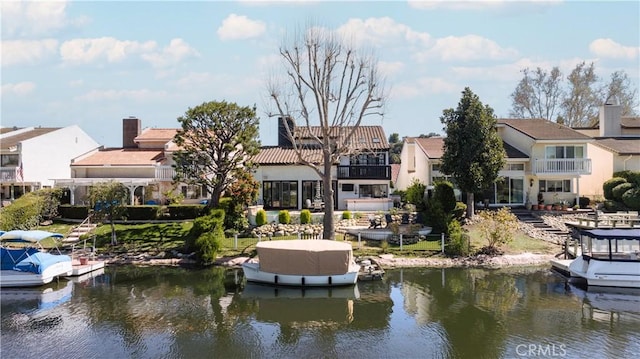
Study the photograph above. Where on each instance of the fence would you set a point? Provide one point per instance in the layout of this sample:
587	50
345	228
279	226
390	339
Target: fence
360	241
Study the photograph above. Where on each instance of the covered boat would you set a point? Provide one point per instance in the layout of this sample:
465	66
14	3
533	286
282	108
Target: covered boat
24	262
610	258
303	263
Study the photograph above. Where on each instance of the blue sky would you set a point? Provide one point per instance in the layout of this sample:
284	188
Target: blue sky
94	63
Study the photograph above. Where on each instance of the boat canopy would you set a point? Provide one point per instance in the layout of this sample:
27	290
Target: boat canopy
305	257
33	236
626	233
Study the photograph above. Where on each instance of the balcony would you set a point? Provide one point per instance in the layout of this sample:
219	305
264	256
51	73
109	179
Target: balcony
364	172
563	166
165	173
8	174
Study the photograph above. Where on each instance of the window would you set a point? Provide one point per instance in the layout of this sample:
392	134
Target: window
555	185
347	187
435	167
280	194
554	152
373	190
514	167
376	159
9	160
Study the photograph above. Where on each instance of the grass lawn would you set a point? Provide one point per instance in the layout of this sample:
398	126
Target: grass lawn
159	237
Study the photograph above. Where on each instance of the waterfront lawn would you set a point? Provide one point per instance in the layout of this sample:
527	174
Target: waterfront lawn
144	238
520	244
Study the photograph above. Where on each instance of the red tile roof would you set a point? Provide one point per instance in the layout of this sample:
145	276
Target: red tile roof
157	134
364	137
273	155
433	147
122	157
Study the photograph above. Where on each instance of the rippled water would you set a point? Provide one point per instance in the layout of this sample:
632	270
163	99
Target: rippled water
158	312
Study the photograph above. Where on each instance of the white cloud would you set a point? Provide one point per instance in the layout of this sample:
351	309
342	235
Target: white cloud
238	27
478	4
85	51
76	83
118	95
466	48
388	69
35	18
381	31
172	54
423	86
19	52
610	49
19	89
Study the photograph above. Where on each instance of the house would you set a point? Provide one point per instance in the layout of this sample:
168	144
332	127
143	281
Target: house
33	156
360	181
142	164
544	158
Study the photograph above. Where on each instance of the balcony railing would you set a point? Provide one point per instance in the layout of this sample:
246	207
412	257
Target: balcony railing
165	173
563	166
8	174
364	172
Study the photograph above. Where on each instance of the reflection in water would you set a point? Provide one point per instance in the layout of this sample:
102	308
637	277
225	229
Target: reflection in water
459	313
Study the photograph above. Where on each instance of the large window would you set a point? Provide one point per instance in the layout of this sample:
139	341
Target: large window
373	190
280	194
9	160
555	186
555	152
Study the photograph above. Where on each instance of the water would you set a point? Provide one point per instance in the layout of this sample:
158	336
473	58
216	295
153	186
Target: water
159	312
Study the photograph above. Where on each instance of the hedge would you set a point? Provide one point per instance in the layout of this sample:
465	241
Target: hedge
73	212
185	211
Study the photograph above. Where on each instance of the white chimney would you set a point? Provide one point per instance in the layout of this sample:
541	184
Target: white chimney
610	120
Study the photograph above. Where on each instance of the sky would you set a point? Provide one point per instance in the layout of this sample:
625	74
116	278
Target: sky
94	63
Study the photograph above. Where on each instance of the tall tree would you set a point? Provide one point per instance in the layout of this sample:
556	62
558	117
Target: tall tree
217	142
395	148
108	200
538	94
582	101
332	86
620	89
473	151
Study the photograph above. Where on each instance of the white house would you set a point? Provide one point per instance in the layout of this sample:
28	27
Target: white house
32	157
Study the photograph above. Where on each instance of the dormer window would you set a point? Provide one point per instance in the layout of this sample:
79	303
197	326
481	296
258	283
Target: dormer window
375	140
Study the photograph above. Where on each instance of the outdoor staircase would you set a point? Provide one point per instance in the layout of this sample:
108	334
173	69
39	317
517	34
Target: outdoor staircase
529	217
86	227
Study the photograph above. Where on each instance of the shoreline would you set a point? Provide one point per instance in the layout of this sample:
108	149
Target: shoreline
387	261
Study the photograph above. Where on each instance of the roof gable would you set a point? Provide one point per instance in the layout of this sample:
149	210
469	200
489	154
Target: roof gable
12	140
540	129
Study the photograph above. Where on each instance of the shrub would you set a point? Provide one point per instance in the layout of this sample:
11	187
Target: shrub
261	217
584	202
436	216
142	212
415	194
631	199
284	217
609	185
346	215
613	206
444	194
305	216
459	243
73	212
497	226
185	211
630	176
234	214
620	189
207	247
460	211
205	230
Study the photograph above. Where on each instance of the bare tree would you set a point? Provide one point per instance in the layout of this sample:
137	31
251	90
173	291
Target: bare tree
583	100
329	89
620	88
538	94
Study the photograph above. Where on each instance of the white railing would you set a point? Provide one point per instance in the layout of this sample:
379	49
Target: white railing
165	173
563	166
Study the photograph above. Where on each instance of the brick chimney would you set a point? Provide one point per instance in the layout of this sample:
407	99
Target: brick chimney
130	130
610	120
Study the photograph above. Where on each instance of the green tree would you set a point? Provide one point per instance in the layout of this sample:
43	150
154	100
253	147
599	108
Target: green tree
583	100
108	200
473	150
329	87
217	142
395	148
620	88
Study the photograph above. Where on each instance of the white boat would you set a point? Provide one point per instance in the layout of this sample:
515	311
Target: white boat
303	263
38	298
24	262
610	258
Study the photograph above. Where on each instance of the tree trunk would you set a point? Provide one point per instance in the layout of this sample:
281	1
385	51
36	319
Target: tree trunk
328	222
214	202
114	240
470	203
